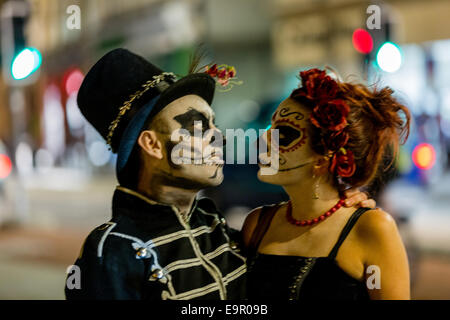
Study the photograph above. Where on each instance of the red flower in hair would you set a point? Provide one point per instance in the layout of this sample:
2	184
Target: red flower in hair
311	74
335	140
343	163
316	85
331	115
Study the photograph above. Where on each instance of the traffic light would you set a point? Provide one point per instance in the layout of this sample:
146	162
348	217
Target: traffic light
18	61
389	57
362	41
377	45
25	63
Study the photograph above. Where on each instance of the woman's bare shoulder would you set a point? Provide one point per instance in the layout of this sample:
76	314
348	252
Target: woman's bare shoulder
376	226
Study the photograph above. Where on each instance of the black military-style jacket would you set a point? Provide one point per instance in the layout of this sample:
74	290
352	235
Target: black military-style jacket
147	251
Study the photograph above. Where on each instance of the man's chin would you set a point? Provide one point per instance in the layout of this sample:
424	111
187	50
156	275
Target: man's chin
215	179
208	176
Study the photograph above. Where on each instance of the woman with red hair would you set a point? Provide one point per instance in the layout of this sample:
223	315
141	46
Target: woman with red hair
332	136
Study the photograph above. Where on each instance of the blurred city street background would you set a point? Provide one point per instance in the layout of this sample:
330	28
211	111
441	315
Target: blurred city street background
57	174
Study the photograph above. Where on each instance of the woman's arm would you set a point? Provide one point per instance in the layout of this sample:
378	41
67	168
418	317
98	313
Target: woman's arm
385	259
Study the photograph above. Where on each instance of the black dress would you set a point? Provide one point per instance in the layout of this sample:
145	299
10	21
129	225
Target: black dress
279	277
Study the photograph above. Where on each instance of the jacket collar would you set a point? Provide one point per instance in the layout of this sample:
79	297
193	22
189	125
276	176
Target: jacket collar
138	206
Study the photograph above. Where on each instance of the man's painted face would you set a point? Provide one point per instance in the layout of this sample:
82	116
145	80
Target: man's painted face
187	130
292	120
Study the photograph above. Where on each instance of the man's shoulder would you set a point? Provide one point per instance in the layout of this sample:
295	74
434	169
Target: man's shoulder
111	237
94	242
207	204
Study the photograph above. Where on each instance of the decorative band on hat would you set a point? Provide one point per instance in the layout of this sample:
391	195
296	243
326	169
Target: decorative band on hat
157	81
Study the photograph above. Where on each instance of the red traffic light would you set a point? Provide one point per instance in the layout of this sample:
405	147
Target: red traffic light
362	41
424	156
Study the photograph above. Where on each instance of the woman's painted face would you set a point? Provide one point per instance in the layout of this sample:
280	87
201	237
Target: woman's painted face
291	119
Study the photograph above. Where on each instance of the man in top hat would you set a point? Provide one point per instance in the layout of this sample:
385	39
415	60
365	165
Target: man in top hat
162	242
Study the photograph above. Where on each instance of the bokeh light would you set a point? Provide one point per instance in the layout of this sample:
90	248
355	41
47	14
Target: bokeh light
389	57
73	80
5	166
424	156
25	63
362	41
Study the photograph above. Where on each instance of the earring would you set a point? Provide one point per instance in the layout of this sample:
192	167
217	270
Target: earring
318	170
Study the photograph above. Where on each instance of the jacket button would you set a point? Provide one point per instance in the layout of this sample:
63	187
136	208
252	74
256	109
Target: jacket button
223	221
233	245
157	274
142	253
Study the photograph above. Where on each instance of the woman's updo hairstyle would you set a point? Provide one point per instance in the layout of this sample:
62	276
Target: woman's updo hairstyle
355	127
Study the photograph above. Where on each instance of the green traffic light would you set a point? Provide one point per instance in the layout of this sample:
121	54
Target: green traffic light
25	63
389	57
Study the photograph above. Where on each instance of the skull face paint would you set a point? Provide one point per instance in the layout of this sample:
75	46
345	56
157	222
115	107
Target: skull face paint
291	135
291	121
192	118
188	123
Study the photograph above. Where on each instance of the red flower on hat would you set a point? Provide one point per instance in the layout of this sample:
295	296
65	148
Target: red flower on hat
231	72
212	71
223	74
343	163
331	115
223	82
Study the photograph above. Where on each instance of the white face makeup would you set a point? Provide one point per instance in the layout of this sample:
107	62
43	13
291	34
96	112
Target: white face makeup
295	154
192	116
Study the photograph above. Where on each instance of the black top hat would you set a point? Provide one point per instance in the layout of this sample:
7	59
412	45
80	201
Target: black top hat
123	90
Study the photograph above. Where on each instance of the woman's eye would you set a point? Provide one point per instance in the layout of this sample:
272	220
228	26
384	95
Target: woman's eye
287	135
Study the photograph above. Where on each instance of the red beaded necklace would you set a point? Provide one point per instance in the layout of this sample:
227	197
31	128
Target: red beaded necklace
310	222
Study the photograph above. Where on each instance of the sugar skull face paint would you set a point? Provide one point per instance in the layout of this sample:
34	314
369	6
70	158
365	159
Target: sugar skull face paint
291	119
292	135
189	114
